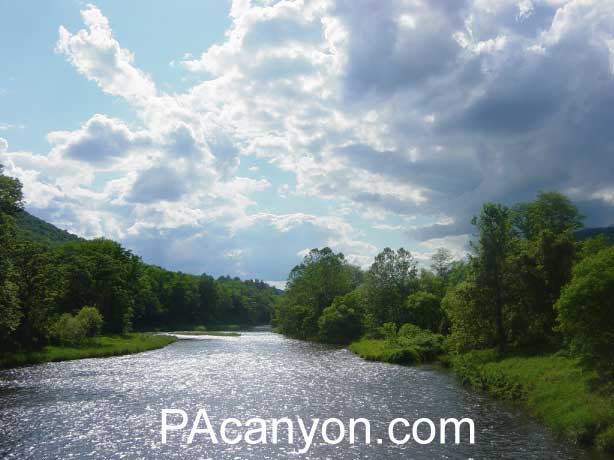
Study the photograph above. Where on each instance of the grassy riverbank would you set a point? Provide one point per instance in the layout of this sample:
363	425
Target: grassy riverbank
381	350
554	388
99	347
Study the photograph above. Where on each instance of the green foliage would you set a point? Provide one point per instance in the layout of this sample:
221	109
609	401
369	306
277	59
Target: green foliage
75	330
31	228
297	321
472	326
10	308
424	310
586	310
490	265
381	350
200	328
392	277
551	211
429	345
46	273
90	320
312	286
339	323
99	347
11	195
554	388
409	345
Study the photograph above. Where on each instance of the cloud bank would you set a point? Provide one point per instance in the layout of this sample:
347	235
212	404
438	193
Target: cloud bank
396	116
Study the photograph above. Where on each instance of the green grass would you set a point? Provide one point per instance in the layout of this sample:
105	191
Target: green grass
213	333
554	388
99	347
381	350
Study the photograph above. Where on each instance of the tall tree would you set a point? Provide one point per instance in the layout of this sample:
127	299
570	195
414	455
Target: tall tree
490	259
393	276
11	201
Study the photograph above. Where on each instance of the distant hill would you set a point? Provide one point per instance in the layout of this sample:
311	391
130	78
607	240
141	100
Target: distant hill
32	228
586	233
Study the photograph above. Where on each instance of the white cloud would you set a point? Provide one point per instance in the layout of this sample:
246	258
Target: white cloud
97	55
374	109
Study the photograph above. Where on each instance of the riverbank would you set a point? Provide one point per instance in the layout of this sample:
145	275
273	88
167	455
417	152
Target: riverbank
381	350
553	388
100	347
211	333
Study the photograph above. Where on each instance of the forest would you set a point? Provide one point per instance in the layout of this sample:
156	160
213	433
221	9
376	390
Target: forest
528	315
56	287
527	284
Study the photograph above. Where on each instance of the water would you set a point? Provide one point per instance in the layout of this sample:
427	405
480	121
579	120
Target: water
111	408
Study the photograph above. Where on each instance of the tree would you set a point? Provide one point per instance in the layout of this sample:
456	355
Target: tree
339	324
491	251
11	195
424	310
586	311
90	320
440	262
312	286
551	211
391	278
472	320
11	201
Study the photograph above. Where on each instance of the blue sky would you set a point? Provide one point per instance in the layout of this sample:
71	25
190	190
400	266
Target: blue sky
231	137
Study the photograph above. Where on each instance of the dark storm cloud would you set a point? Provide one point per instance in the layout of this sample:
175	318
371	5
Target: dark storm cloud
527	102
392	48
433	171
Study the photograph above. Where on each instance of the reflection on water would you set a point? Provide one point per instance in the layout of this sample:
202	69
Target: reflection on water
110	408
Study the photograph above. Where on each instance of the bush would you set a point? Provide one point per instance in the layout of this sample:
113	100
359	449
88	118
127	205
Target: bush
74	330
427	344
67	330
90	320
388	331
339	324
200	329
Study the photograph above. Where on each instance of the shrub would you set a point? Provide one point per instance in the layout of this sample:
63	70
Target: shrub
74	330
67	330
339	324
200	328
90	320
389	332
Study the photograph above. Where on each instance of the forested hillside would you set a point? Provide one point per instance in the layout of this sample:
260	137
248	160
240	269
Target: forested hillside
49	278
31	228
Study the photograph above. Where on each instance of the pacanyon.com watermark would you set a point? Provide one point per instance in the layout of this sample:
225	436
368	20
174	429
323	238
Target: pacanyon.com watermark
301	433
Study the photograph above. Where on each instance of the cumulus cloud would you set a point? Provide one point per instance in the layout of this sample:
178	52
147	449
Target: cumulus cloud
99	140
97	55
375	110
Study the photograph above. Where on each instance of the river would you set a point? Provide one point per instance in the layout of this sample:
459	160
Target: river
111	408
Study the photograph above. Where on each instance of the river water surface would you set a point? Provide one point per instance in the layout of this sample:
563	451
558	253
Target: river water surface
111	408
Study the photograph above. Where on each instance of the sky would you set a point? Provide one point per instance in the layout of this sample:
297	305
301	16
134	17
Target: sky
232	137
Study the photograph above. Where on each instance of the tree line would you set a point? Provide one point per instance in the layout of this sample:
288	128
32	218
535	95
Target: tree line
527	284
45	287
